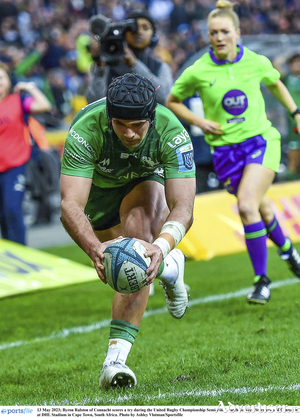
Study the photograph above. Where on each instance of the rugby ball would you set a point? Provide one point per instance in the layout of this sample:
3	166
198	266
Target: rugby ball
125	265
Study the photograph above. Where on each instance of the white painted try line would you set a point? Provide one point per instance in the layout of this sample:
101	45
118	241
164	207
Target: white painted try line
105	323
178	394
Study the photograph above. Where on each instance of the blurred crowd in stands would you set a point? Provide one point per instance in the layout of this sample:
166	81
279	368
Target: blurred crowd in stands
47	41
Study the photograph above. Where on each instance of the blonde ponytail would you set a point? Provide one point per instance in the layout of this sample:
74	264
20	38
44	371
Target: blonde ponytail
224	8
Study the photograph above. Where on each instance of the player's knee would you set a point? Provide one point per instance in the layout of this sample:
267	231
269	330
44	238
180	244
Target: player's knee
247	209
144	224
141	233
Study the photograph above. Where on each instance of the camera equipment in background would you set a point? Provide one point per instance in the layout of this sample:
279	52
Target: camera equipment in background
111	36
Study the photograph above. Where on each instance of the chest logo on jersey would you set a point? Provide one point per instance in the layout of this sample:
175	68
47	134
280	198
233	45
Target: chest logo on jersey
247	75
149	163
235	102
103	165
127	155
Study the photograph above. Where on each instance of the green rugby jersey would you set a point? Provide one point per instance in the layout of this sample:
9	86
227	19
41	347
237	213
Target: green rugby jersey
292	83
231	94
92	150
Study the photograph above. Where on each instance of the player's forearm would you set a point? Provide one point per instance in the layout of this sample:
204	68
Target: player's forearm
182	213
181	111
174	229
180	194
79	228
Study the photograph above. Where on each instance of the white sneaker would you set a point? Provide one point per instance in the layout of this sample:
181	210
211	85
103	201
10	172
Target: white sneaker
176	294
116	375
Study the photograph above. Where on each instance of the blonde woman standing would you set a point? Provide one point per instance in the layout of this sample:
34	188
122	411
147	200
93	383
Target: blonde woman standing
246	147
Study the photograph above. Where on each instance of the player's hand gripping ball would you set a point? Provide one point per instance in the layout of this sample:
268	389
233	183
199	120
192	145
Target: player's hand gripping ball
125	265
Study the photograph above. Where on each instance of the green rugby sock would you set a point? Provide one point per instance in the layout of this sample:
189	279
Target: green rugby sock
123	330
286	247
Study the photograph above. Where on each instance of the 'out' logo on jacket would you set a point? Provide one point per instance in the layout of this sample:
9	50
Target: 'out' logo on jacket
235	102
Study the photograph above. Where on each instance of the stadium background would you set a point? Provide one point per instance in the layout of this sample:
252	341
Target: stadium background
46	42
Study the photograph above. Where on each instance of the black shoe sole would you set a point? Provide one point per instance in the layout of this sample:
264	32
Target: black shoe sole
122	380
255	301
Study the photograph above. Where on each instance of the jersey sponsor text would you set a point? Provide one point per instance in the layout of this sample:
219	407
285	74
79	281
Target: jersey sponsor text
81	140
75	156
178	140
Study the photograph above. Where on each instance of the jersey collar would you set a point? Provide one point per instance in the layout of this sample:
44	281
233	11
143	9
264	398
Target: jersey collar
225	61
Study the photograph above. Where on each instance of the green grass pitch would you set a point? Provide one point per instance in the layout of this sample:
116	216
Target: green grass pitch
53	343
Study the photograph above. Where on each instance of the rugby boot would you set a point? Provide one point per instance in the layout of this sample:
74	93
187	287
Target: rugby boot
292	258
261	292
176	294
115	375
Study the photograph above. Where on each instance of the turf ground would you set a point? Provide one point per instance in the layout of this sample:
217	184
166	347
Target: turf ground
53	342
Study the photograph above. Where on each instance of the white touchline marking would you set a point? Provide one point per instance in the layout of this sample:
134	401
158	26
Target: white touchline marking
105	323
177	394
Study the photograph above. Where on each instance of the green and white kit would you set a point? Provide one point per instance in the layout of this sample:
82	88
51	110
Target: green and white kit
92	150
